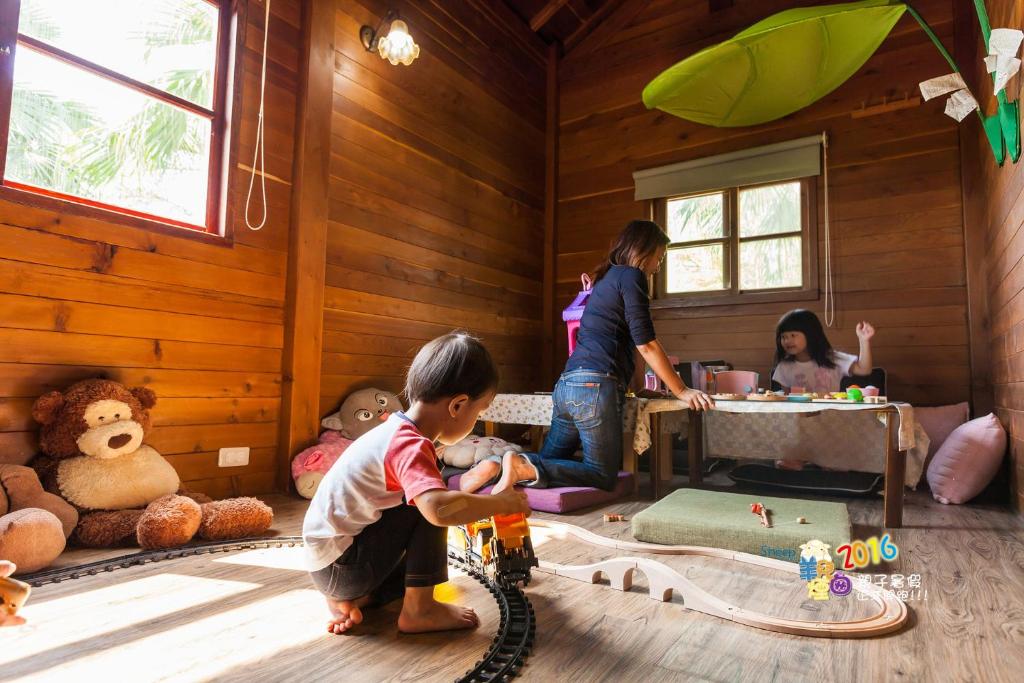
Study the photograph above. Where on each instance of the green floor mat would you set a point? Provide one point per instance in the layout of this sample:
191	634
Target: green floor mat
724	520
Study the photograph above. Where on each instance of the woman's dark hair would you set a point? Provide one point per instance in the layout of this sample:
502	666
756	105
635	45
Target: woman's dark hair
454	364
635	244
802	320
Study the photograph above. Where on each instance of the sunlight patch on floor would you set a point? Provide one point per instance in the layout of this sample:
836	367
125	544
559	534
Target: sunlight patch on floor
204	648
77	616
271	558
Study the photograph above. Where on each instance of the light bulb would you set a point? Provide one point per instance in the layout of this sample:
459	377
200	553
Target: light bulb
398	47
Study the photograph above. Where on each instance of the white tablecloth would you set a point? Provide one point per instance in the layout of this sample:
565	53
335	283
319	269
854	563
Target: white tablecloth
848	436
536	409
842	436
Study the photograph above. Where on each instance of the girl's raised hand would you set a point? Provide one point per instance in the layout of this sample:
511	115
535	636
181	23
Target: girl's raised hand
696	400
865	331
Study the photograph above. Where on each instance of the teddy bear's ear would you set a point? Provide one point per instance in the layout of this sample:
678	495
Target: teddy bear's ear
44	410
145	395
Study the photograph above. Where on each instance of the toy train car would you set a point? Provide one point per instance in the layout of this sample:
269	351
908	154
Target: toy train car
500	547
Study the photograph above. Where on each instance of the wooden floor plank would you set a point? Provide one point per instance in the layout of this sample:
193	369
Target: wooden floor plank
155	621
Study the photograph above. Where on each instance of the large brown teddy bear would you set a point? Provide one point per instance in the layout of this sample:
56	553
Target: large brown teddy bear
94	457
34	524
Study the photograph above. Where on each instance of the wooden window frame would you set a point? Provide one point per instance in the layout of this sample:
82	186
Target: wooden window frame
223	128
733	294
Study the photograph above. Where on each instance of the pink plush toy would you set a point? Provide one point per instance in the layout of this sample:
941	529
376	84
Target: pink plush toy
310	466
360	412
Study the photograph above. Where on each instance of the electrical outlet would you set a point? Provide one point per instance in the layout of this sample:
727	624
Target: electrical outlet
233	457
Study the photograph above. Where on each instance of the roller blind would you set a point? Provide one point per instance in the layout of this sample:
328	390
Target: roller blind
778	162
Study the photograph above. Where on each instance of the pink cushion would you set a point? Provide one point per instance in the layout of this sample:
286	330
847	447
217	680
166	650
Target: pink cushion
939	423
967	461
566	498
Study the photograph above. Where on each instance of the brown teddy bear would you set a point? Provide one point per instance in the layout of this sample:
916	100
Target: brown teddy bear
94	457
34	524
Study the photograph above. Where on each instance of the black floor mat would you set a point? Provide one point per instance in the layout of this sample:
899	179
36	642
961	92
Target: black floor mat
813	480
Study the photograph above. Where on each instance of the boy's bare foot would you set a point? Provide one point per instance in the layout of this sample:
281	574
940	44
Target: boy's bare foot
422	617
345	613
514	469
478	475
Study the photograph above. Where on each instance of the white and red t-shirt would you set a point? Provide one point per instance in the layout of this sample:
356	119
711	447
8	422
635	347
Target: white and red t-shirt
391	462
811	376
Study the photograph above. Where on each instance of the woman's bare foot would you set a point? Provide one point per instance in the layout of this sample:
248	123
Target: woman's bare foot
422	616
514	469
345	613
478	475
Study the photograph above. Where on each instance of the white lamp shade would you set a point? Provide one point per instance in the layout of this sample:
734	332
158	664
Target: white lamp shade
397	46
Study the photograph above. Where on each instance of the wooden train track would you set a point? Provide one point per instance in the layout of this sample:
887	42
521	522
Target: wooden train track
663	580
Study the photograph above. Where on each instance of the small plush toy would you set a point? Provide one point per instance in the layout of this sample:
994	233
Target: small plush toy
34	524
310	466
362	411
473	449
94	458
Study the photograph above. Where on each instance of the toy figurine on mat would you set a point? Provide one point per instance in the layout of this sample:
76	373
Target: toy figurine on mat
13	594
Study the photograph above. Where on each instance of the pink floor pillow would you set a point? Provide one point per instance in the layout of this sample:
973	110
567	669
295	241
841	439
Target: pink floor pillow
968	460
939	422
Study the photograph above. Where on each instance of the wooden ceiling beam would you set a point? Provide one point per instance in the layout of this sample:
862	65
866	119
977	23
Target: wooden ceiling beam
611	18
543	16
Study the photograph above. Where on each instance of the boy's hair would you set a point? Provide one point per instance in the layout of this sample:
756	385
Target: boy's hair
634	245
453	364
818	346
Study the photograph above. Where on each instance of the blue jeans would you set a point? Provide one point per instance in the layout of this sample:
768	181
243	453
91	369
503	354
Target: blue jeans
587	411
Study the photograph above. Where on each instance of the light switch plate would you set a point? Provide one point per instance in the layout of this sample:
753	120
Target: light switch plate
233	457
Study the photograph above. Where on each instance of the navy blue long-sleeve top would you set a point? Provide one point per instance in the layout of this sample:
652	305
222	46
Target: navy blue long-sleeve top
616	320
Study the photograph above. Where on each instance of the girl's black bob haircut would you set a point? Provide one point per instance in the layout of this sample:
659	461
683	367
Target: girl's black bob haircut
453	364
818	346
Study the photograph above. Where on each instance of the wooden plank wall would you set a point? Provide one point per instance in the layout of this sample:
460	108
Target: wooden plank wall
436	195
995	215
200	324
895	189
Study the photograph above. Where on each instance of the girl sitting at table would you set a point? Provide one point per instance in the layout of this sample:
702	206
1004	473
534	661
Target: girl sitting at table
589	396
806	362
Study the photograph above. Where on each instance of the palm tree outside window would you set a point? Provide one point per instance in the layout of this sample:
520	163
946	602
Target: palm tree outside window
117	105
742	243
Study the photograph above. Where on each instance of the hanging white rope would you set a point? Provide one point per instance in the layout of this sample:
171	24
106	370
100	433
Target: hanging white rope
830	293
258	151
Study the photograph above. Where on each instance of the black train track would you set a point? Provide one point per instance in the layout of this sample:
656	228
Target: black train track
508	651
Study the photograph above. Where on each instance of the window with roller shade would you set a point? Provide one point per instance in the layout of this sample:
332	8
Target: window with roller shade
750	235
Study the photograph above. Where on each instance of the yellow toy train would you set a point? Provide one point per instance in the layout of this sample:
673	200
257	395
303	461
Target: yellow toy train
499	547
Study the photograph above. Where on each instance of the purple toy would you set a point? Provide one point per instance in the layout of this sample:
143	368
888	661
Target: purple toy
572	314
310	466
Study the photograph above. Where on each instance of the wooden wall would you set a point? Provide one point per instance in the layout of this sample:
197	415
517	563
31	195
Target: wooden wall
895	189
995	218
200	324
436	194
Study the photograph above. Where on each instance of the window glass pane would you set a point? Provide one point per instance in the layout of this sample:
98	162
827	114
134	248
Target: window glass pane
696	218
770	210
169	44
768	264
79	134
696	269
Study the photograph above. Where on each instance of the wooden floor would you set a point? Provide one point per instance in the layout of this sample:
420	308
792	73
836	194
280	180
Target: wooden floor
253	615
